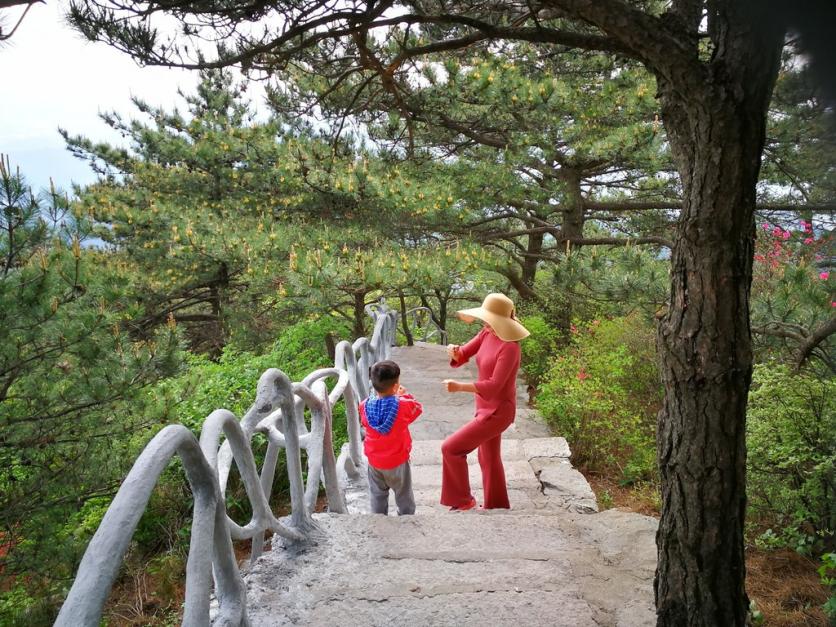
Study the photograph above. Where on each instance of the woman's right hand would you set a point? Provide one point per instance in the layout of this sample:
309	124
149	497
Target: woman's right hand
453	351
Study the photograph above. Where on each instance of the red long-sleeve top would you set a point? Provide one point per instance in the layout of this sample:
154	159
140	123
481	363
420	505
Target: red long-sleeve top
497	362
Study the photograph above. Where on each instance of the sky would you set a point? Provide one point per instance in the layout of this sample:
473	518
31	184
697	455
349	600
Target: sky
51	77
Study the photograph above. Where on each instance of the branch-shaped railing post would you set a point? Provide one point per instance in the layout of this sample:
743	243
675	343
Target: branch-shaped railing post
223	421
430	329
300	517
104	554
279	413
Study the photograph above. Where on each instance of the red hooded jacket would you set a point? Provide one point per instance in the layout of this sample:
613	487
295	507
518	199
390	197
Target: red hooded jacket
392	449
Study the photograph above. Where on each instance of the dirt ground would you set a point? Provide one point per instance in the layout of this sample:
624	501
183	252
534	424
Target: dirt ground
783	584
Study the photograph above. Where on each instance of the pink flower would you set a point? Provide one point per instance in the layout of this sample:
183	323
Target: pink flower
777	231
808	240
824	276
765	226
786	234
833	303
573	328
582	375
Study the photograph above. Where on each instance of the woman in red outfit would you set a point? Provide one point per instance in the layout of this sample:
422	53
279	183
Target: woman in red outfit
497	352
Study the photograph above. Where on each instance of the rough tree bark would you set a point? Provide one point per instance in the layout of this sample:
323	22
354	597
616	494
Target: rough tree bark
573	216
331	346
534	250
443	298
219	297
359	311
404	322
715	116
526	294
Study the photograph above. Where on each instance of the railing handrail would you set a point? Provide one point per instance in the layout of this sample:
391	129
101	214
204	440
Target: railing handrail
430	329
279	413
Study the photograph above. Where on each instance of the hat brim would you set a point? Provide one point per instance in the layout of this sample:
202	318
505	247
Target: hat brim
506	329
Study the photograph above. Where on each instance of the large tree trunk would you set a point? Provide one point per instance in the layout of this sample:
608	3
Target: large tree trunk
573	217
534	250
219	297
526	294
716	128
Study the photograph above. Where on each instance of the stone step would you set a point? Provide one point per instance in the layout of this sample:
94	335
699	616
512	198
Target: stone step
427	498
469	568
537	471
542	562
518	474
427	501
428	452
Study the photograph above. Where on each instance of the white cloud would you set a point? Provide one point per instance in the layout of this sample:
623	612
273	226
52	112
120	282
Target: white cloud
54	74
52	77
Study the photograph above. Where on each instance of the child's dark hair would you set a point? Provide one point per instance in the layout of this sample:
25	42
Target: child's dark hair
384	374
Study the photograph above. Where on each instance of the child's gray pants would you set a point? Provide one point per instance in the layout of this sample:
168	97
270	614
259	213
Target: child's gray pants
399	480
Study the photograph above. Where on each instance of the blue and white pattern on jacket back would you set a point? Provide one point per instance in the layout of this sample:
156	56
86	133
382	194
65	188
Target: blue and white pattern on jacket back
381	413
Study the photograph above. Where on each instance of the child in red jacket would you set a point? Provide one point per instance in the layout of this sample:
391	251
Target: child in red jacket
386	415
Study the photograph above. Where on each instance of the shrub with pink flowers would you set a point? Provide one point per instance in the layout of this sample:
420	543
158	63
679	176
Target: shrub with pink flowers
792	293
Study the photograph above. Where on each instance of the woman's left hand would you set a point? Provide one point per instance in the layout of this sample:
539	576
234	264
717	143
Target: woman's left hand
451	386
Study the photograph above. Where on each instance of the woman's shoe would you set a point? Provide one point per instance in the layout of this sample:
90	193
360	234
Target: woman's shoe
464	508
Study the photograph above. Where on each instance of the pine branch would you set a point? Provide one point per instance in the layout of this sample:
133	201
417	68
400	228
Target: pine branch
815	338
665	48
5	4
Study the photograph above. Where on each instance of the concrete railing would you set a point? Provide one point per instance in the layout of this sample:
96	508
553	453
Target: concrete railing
279	412
421	322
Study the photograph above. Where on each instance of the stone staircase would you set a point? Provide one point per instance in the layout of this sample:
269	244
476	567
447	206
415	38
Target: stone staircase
549	560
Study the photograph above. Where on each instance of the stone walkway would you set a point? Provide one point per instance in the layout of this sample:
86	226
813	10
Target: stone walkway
550	560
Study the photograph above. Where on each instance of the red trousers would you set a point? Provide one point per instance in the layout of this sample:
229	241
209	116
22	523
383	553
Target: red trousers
486	434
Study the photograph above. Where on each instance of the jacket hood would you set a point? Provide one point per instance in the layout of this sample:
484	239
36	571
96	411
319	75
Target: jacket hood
381	413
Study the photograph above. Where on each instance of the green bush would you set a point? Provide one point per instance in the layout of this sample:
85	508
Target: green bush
827	572
230	382
602	394
21	608
538	348
791	440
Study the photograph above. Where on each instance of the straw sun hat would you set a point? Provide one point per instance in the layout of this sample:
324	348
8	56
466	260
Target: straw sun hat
498	311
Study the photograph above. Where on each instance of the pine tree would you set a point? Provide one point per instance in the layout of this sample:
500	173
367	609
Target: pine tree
66	366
